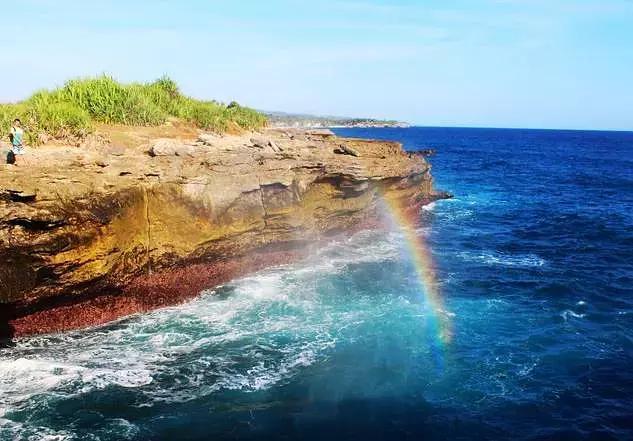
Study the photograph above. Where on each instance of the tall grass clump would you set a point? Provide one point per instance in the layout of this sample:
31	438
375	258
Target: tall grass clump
111	102
46	115
71	111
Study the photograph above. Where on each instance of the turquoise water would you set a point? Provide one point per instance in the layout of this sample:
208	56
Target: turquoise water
535	268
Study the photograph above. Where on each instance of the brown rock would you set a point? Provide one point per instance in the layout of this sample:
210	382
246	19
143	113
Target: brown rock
81	245
172	147
114	150
321	133
260	142
209	140
276	148
164	147
345	150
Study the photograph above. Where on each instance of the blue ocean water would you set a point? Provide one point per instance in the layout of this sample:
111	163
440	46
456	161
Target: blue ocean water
535	265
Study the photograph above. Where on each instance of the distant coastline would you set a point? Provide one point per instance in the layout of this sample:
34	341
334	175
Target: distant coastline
303	121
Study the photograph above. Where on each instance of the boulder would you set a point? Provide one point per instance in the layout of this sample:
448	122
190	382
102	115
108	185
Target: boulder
263	143
322	133
276	148
186	150
345	150
425	152
208	139
170	147
164	147
260	142
19	194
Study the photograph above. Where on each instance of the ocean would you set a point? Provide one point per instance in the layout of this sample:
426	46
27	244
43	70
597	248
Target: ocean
533	264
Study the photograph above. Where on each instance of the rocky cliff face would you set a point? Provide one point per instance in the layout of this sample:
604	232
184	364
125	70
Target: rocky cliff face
93	234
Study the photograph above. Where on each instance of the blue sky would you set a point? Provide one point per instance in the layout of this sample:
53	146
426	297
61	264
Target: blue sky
500	63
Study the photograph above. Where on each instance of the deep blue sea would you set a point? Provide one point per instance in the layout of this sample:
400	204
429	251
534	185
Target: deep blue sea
534	261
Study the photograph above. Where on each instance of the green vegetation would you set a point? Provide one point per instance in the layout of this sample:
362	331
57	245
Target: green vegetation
69	112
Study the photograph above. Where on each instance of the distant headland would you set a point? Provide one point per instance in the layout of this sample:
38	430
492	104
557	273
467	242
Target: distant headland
304	121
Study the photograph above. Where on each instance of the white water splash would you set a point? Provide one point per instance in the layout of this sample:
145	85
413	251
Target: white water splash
519	260
268	328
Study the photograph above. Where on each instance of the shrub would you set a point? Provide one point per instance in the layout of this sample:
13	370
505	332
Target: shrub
60	120
167	85
246	118
70	110
64	120
110	102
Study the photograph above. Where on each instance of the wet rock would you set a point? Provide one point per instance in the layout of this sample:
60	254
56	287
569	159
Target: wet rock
424	152
442	195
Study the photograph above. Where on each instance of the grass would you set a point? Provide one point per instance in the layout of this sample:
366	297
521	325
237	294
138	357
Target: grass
69	113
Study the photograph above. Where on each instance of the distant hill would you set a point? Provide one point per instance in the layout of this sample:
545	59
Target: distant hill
282	119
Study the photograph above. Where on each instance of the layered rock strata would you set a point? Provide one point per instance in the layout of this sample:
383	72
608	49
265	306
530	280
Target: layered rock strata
89	235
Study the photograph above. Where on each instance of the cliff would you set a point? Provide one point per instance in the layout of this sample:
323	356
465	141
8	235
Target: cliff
129	222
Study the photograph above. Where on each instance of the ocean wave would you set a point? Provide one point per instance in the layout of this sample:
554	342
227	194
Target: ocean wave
568	313
525	260
116	428
22	378
247	335
454	214
10	430
429	207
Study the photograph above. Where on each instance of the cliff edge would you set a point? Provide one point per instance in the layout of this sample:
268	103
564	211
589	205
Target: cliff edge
91	234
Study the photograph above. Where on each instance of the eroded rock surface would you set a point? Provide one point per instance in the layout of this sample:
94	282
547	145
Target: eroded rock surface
87	237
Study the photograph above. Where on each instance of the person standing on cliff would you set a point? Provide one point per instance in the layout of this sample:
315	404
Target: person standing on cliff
16	135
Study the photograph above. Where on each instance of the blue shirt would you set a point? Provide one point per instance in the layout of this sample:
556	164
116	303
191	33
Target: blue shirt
16	136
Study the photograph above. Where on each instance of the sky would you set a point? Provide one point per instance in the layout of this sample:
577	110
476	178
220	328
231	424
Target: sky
478	63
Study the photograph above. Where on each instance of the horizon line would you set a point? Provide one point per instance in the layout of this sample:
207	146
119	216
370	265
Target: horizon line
419	126
520	128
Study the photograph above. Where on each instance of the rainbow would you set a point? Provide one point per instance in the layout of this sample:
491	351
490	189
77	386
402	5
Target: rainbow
407	219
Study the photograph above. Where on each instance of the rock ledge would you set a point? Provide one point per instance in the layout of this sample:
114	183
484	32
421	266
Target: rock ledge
87	237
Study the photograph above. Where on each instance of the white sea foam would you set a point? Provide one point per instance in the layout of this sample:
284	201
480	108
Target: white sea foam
527	369
496	303
566	314
21	378
456	214
266	329
520	260
10	430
